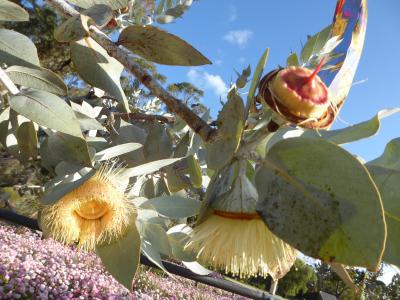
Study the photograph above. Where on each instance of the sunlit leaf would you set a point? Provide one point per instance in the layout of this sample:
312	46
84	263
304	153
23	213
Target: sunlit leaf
317	197
17	49
230	126
99	69
114	4
62	186
174	206
149	168
10	11
46	110
37	78
160	46
121	257
116	151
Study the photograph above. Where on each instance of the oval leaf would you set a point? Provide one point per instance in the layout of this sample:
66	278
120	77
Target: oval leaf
99	69
149	168
160	46
121	257
114	4
37	78
116	151
174	206
47	110
17	49
318	197
10	11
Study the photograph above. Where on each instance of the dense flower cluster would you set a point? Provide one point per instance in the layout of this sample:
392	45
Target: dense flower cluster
31	268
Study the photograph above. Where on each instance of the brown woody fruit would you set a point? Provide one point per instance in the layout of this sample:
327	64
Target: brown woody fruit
298	95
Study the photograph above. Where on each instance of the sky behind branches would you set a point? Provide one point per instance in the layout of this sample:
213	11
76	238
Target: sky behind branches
234	34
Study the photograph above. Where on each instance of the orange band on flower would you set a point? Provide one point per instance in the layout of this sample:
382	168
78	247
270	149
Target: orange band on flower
237	216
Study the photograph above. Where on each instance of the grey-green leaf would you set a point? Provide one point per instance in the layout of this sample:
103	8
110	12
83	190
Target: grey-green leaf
10	11
174	206
230	125
318	197
292	60
114	4
99	69
65	147
315	44
149	168
387	180
116	151
65	185
37	78
158	144
160	46
27	140
121	258
17	49
47	110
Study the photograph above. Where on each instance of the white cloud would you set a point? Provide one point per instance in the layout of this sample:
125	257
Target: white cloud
238	37
232	13
208	81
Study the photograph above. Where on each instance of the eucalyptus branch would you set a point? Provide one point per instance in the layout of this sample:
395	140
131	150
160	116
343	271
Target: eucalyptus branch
145	117
173	104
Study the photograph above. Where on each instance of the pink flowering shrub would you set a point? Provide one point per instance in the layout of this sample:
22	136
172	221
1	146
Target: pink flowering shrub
32	268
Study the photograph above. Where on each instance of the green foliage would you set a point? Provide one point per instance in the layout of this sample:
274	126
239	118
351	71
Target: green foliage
308	190
121	257
295	184
160	46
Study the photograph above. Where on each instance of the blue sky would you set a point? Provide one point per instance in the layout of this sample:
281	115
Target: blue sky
234	34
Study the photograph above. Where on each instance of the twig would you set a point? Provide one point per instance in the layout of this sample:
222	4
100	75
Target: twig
146	117
6	81
173	104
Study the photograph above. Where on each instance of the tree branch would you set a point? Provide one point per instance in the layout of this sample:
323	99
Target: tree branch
146	117
173	104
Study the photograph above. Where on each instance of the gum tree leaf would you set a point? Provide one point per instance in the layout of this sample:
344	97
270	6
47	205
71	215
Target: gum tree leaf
63	185
114	4
292	60
10	11
121	257
356	132
17	49
160	46
385	170
174	206
194	171
149	168
73	29
257	75
158	144
77	27
98	69
101	14
27	140
116	151
37	78
129	133
65	147
387	180
230	125
88	123
47	110
318	197
339	136
315	44
156	236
